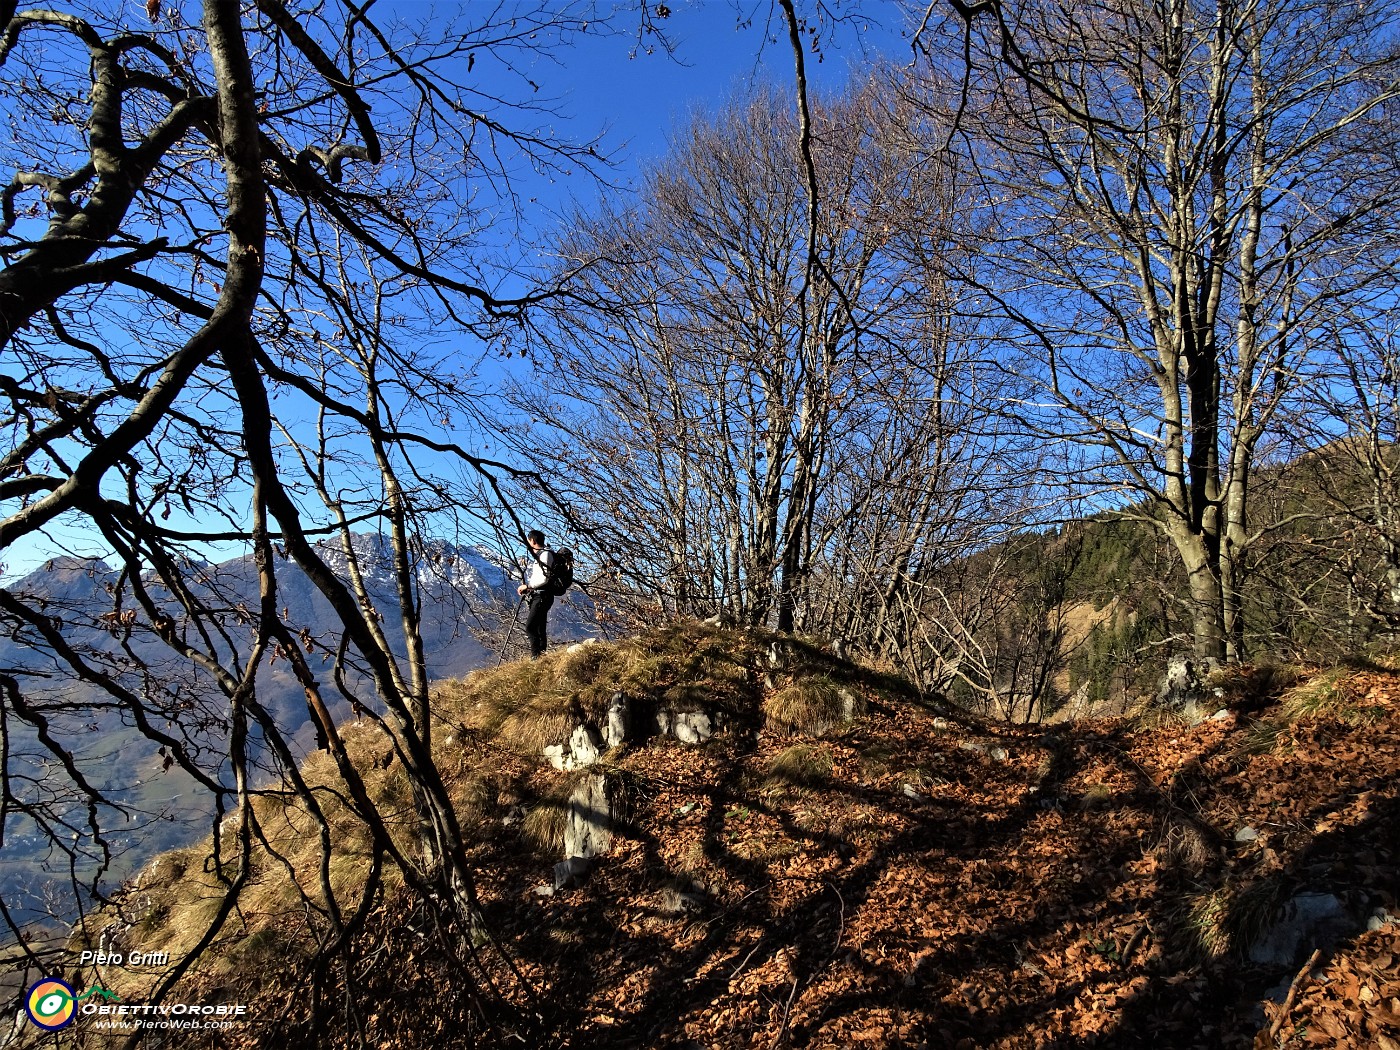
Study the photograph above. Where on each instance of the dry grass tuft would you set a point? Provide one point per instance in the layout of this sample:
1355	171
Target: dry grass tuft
1203	928
689	696
802	766
476	799
1261	738
535	727
810	705
1324	694
1229	921
1334	694
1185	847
1340	693
545	821
1095	796
581	667
544	825
1148	716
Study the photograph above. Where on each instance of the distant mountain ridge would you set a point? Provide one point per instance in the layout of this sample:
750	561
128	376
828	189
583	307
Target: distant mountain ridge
437	562
466	592
466	595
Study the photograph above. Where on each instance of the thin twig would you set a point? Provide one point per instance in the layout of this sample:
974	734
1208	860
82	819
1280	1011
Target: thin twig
1134	942
1277	1026
787	1012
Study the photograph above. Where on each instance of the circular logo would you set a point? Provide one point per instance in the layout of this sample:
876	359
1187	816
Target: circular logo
50	1004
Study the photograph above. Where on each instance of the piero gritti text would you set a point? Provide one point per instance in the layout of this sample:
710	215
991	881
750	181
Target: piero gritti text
124	959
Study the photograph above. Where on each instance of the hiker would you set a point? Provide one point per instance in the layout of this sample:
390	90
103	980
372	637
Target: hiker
538	587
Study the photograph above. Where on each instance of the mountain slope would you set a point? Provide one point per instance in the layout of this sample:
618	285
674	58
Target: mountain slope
467	597
900	879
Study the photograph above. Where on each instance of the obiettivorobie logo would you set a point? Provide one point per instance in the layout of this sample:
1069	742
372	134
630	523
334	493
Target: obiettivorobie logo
52	1004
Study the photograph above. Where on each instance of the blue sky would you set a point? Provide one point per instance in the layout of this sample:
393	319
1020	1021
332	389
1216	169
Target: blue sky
627	88
634	93
719	45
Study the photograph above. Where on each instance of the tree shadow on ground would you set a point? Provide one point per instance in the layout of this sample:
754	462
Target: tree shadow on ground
937	893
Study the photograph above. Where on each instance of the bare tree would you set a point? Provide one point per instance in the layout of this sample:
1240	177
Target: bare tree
1185	193
1331	563
220	239
761	435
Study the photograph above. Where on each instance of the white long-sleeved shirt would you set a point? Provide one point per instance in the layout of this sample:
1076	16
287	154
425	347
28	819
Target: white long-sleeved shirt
541	561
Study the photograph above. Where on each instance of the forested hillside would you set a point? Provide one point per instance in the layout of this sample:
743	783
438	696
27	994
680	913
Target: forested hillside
1093	610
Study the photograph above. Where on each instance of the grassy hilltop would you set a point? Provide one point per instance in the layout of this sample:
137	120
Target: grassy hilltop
901	878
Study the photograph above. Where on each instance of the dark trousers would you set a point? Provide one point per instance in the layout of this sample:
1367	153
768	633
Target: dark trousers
536	623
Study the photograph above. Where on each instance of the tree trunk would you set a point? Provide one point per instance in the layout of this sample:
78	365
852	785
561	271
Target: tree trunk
1207	601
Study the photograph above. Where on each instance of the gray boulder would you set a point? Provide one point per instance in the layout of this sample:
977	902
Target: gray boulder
1308	921
583	748
619	720
688	727
588	825
1183	691
570	874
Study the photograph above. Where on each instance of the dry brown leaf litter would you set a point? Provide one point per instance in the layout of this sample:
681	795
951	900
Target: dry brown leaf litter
925	893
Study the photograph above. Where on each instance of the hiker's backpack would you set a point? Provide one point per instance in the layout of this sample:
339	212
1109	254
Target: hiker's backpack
561	572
